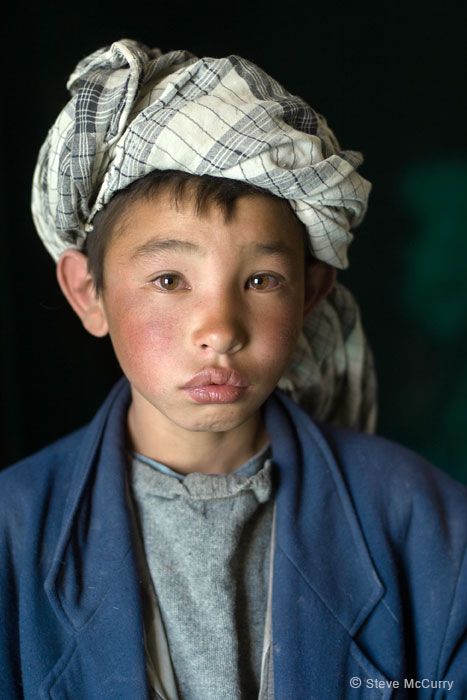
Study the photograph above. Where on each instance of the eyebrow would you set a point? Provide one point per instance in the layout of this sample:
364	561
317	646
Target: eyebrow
157	245
277	248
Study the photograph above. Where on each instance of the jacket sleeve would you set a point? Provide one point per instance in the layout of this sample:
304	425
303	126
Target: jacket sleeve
453	658
10	671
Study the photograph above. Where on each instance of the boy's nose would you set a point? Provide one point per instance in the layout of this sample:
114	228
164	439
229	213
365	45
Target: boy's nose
220	330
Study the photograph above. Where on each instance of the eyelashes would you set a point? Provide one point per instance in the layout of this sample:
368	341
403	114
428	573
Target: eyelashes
260	281
263	281
168	282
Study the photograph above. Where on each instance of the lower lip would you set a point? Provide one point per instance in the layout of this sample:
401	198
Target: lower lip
215	393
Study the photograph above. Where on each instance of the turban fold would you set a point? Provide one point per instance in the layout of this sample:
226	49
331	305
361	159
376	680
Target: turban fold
135	109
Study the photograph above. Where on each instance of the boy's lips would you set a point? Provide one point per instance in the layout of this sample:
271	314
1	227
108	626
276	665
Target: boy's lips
217	376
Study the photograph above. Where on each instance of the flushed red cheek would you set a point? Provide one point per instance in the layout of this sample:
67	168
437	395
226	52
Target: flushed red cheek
140	339
160	331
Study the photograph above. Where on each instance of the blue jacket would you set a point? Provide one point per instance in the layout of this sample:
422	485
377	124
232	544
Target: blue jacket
369	582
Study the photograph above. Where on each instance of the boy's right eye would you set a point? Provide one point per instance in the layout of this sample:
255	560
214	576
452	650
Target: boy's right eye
168	282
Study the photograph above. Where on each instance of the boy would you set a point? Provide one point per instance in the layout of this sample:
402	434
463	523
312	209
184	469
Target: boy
203	537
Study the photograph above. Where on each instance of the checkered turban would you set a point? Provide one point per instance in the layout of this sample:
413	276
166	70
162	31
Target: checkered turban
135	109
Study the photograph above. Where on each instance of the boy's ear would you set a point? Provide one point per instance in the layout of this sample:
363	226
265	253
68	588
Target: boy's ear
319	280
77	285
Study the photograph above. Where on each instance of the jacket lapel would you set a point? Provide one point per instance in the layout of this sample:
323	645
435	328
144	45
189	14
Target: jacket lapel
324	583
93	582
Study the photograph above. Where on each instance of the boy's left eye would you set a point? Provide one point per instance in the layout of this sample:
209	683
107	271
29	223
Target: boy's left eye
263	281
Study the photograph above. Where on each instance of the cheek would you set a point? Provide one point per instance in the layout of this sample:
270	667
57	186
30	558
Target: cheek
139	332
158	331
280	332
288	333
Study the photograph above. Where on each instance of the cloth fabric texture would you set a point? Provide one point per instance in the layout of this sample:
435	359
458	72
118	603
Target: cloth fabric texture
207	541
135	109
369	569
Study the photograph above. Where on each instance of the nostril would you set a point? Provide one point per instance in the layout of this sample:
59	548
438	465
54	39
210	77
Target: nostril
220	339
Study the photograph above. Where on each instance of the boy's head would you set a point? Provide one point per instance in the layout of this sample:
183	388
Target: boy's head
201	189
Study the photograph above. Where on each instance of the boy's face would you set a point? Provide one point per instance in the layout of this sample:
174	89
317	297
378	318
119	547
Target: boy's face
187	293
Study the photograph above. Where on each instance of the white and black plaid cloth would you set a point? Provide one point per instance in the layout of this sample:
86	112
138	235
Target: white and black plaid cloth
134	109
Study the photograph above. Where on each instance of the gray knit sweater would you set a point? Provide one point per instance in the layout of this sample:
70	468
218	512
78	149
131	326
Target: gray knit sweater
206	544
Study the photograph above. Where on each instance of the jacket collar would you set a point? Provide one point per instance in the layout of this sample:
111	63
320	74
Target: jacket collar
96	533
93	584
317	526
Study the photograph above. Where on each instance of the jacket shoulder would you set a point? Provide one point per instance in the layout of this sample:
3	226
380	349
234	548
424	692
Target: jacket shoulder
33	496
33	491
385	461
395	486
38	467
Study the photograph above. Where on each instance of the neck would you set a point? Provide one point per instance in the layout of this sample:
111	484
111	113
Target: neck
187	451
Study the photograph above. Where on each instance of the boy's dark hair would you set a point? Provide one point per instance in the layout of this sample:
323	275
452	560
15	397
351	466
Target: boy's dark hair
205	189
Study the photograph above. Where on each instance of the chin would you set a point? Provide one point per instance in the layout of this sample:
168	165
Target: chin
217	418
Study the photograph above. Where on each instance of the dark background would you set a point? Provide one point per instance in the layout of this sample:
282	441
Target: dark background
390	78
